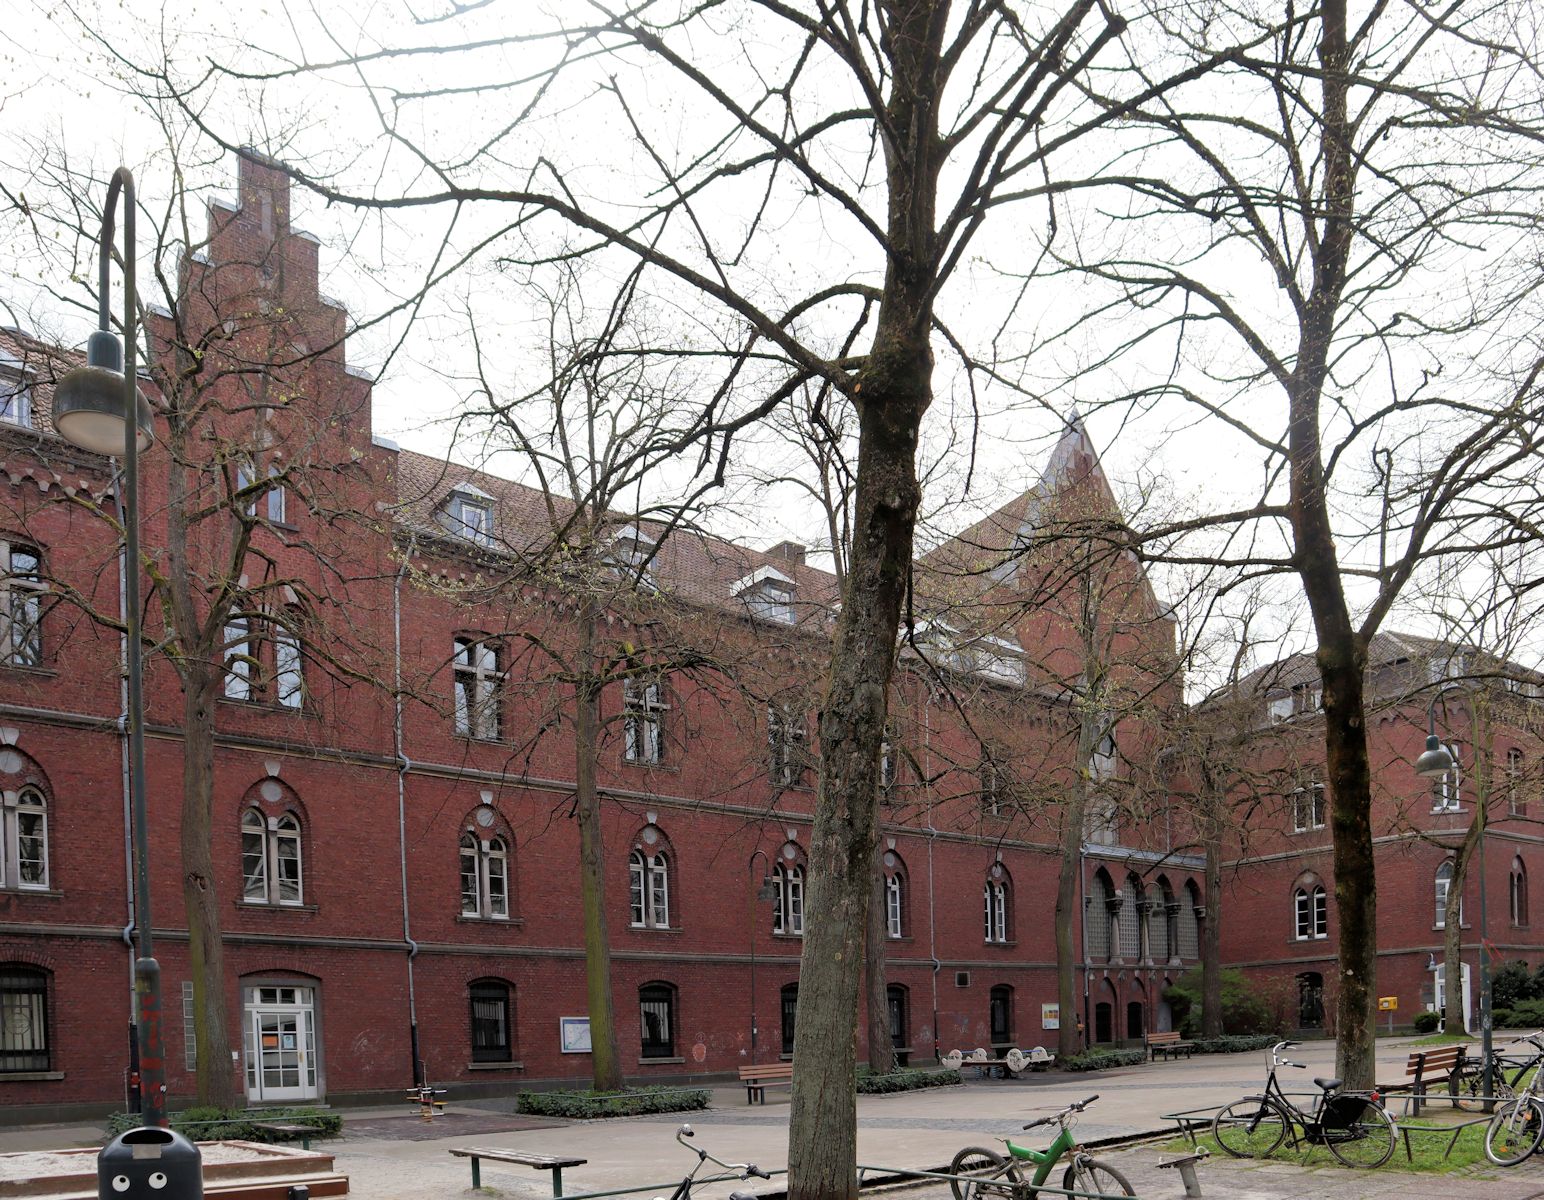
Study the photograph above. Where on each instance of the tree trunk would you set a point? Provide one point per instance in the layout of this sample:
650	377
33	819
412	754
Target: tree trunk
881	1050
201	892
1067	924
605	1060
891	393
1211	931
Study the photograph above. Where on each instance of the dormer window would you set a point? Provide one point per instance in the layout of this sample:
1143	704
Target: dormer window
630	554
468	513
768	594
15	392
1000	660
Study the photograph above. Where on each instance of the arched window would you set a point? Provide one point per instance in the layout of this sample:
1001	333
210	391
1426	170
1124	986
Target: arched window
643	719
1000	1014
1098	919
23	1019
897	897
1517	889
657	1018
288	660
1442	884
1188	920
493	1021
649	885
788	908
997	904
1130	921
271	858
21	605
1310	911
1163	923
484	877
24	831
788	1008
1516	798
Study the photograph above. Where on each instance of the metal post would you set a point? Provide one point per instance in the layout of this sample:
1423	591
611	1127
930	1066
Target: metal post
1487	1078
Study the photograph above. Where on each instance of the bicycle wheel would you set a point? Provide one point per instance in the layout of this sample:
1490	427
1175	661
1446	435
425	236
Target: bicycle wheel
1362	1139
1514	1132
1250	1128
979	1172
1090	1175
1467	1088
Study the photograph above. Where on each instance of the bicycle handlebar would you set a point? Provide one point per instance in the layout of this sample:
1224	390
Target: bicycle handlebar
1076	1106
743	1170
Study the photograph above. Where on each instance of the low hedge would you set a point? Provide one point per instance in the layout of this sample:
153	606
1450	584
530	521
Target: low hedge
206	1123
1101	1060
1427	1022
906	1080
633	1102
1235	1043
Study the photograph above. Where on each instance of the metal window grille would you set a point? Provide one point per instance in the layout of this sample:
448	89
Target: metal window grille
490	1023
656	1008
23	1020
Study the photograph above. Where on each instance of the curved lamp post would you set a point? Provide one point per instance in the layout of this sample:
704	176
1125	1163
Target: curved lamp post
98	407
1436	761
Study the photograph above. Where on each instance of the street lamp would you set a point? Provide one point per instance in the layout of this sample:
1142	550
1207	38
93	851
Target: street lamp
766	891
1435	762
98	407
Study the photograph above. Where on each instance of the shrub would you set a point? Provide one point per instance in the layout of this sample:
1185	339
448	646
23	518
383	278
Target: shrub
906	1080
1512	982
205	1123
1103	1060
1244	1009
1235	1043
1525	1014
630	1103
1427	1022
1501	1018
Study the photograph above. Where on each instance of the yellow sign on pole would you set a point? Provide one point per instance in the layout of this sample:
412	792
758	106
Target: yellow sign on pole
1388	1003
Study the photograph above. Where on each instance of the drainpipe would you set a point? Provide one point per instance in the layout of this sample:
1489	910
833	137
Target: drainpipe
932	835
404	765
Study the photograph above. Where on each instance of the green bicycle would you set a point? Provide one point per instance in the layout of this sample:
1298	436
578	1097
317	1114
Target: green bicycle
978	1172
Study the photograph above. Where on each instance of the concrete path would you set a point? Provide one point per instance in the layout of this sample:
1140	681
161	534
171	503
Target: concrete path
916	1130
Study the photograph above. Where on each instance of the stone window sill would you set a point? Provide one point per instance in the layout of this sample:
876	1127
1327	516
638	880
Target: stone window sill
651	1062
264	906
495	1066
31	1076
495	922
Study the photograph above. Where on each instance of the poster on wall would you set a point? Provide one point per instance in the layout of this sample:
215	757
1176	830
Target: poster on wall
574	1035
1050	1016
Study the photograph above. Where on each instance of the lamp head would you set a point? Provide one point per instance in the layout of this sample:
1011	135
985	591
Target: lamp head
1436	761
90	404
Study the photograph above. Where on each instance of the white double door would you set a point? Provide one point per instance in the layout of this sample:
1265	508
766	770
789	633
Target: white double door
280	1040
1467	1025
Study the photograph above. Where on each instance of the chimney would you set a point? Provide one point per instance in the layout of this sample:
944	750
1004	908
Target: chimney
789	552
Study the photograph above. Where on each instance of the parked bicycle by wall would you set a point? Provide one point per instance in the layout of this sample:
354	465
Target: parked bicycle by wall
741	1171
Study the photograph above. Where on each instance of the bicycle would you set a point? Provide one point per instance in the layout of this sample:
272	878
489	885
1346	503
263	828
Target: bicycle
978	1172
1517	1127
1467	1087
1354	1128
741	1171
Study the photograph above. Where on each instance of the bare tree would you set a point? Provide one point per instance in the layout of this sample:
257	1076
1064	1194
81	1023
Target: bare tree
1307	227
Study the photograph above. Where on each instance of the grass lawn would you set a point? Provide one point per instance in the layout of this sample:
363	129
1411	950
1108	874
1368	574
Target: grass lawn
1426	1152
1444	1039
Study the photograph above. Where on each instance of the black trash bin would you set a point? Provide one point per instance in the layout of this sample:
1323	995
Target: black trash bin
150	1164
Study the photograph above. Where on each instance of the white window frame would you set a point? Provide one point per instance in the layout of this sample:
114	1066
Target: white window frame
24	840
786	737
1310	913
289	681
788	906
768	595
272	863
895	904
1516	801
240	661
648	878
1442	882
989	781
994	895
1308	801
477	685
643	720
1447	789
1104	759
16	395
21	606
488	900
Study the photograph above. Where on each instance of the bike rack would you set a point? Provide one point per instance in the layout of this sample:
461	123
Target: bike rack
1044	1189
1187	1170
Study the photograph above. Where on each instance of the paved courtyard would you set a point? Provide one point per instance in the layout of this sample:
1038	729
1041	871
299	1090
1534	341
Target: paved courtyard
389	1157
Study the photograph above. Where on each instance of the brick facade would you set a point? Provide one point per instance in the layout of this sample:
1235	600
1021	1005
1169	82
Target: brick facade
380	795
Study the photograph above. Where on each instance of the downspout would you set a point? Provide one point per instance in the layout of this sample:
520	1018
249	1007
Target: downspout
932	835
404	765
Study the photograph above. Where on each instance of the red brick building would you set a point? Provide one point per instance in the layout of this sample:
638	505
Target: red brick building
394	763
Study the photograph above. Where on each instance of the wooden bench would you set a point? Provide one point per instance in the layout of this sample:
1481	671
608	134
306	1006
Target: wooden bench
759	1077
1424	1068
1169	1045
283	1131
542	1162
